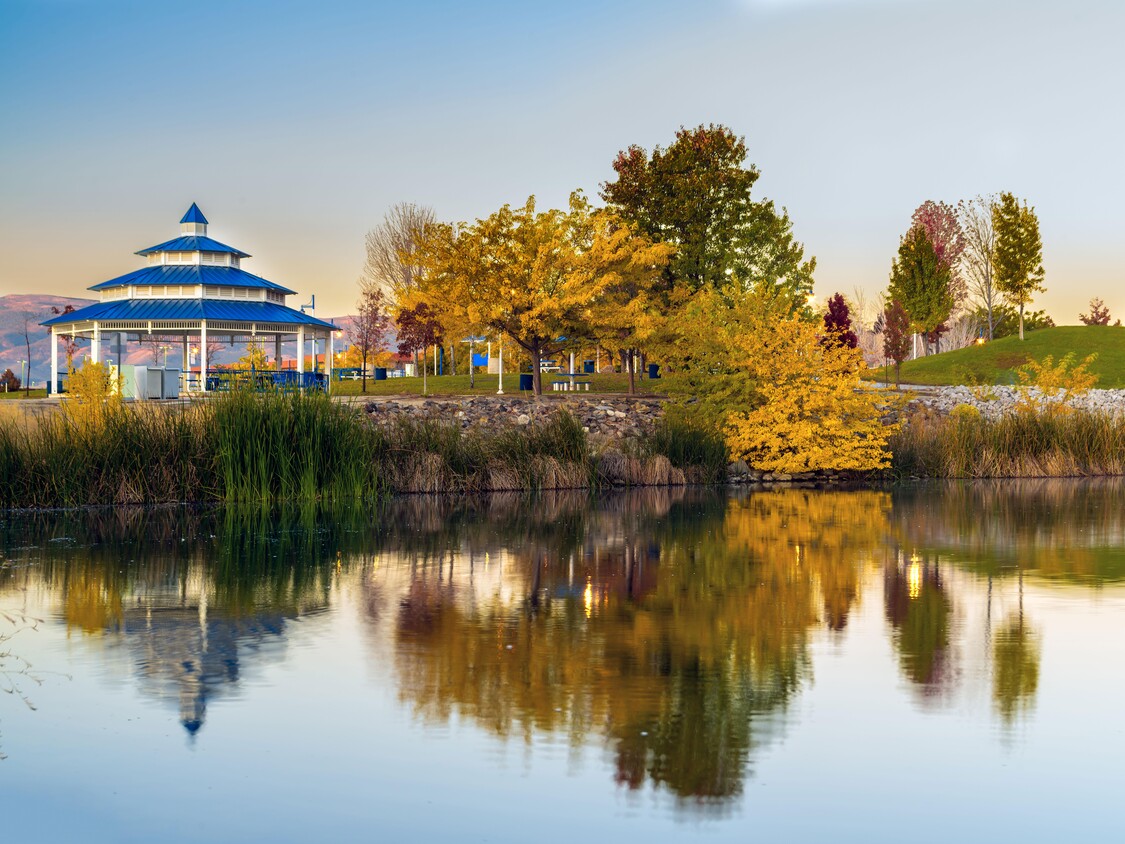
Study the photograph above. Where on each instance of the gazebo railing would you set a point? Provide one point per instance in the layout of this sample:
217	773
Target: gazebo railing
265	379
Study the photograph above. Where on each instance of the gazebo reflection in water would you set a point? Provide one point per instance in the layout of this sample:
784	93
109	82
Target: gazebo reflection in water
194	290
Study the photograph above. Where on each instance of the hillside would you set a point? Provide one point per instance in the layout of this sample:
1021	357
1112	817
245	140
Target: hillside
995	362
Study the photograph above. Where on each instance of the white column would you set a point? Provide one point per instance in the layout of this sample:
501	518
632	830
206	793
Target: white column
95	344
328	364
54	361
277	352
300	349
572	371
203	356
500	368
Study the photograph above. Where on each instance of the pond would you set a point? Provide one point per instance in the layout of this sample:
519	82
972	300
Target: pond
936	663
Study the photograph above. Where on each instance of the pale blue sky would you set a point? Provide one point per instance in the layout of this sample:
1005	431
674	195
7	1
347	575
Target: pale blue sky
295	125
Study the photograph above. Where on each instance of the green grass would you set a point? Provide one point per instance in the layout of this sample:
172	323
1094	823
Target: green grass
996	362
458	385
21	394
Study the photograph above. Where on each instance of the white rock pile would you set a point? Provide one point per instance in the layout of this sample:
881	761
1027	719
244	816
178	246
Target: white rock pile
994	402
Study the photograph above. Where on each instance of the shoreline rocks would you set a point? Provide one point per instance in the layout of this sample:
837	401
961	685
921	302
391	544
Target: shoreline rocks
995	402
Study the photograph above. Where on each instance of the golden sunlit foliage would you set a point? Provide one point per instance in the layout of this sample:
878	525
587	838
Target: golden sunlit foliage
91	393
785	400
1055	383
541	278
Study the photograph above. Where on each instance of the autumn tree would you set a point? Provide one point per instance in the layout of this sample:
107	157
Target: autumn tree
9	381
943	228
418	328
369	326
975	217
1018	259
696	195
539	277
838	322
391	263
254	358
785	401
920	281
896	335
1099	313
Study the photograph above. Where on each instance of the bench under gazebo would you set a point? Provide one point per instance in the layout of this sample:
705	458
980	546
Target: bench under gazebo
194	290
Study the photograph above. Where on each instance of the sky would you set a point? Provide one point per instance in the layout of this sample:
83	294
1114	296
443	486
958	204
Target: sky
296	125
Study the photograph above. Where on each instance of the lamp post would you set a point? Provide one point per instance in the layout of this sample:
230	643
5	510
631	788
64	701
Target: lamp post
500	369
23	376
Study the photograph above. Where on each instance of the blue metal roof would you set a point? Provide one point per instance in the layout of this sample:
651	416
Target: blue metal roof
193	243
194	215
192	274
187	310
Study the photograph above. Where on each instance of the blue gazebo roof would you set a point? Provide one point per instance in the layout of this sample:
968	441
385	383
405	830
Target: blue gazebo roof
192	274
193	243
194	215
177	310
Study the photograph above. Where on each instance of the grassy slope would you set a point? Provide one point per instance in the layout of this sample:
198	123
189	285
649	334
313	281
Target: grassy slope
995	362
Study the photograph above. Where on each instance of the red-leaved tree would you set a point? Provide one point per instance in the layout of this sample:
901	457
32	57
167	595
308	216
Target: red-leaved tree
896	335
838	323
1099	313
418	327
943	228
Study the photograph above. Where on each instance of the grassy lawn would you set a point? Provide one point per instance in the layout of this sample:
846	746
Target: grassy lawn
34	394
995	362
458	385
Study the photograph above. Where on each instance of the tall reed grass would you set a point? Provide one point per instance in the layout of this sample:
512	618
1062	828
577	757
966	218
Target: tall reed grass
244	447
1017	445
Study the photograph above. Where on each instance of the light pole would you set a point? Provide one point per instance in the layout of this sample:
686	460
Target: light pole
23	375
500	370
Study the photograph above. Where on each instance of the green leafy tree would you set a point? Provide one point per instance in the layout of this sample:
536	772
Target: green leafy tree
696	195
1018	262
920	281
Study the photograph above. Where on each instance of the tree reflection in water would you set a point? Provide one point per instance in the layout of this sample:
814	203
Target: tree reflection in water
673	625
678	629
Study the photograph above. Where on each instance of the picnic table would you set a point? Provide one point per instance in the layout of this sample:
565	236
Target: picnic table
568	381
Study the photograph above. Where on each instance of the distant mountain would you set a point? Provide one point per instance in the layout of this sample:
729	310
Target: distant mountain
14	308
34	308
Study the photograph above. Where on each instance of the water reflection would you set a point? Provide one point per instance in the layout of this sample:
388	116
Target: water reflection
675	629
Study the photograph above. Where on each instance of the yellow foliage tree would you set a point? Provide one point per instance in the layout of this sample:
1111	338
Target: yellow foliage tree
539	277
91	393
255	357
785	400
1054	384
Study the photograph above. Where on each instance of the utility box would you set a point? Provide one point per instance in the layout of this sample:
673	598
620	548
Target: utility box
170	383
149	382
128	380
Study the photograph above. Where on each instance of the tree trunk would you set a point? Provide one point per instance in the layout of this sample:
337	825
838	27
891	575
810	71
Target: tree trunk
1021	320
897	366
472	375
365	372
991	325
632	374
536	371
423	370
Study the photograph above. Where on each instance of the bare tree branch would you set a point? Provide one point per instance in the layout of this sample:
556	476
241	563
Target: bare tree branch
391	246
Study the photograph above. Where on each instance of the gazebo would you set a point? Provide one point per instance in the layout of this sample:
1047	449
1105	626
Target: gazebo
194	289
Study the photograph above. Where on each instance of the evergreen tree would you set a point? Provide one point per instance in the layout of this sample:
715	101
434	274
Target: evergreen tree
1018	262
920	281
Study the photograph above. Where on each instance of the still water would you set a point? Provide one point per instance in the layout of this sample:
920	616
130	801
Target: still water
942	663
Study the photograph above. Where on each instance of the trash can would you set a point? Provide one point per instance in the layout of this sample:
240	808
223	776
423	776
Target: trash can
380	373
527	381
588	367
653	371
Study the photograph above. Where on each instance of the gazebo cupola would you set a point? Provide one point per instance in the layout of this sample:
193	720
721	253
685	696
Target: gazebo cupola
193	222
193	288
